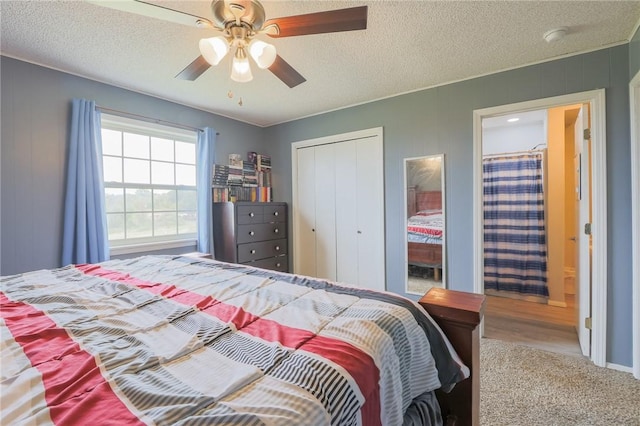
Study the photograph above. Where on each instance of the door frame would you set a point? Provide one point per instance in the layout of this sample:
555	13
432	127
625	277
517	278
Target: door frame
597	101
358	134
634	103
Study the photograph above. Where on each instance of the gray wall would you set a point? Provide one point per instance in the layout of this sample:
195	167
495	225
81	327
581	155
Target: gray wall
35	118
439	120
35	109
634	55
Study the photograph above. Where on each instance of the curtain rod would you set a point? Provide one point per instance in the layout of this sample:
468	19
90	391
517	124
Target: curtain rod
515	153
144	118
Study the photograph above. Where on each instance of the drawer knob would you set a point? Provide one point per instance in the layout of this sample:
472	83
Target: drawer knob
278	265
252	233
251	214
253	252
276	230
275	213
277	248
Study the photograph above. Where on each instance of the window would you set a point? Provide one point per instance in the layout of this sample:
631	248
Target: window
149	184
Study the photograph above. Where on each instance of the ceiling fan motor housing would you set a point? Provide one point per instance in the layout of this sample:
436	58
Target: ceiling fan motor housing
237	12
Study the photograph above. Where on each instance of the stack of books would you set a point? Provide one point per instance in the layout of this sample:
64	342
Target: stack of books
263	162
264	194
264	178
219	188
219	194
248	180
235	176
220	175
249	176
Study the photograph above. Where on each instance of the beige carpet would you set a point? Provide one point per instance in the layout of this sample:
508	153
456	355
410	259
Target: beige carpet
520	385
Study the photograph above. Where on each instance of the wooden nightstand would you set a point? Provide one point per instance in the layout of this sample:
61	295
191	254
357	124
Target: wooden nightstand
459	314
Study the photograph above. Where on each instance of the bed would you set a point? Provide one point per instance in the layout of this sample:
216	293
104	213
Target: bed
182	340
425	229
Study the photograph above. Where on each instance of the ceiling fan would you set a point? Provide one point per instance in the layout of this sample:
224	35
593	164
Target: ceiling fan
239	22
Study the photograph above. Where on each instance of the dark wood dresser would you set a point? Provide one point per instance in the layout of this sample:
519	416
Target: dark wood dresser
251	233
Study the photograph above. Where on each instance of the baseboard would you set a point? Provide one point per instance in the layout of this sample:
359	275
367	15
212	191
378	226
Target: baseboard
557	303
619	367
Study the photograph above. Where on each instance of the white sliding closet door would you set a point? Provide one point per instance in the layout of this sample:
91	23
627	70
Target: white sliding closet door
370	208
304	230
325	193
347	217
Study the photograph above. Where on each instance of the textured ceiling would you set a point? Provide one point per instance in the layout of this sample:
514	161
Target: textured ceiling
407	46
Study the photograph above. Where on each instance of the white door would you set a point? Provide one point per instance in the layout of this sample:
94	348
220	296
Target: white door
583	195
370	210
347	216
325	202
305	210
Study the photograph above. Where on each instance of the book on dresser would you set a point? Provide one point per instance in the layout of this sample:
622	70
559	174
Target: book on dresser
251	233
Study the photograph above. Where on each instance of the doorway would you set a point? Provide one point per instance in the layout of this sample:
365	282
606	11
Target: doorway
597	165
530	227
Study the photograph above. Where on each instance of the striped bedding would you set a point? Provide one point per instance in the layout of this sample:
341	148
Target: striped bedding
184	341
425	227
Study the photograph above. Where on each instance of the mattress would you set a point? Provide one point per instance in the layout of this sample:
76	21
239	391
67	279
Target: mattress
179	340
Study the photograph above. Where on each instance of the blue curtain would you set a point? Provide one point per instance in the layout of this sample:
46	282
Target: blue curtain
206	157
515	256
85	237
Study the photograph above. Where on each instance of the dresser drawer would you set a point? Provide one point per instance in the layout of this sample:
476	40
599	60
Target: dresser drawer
250	214
252	251
280	263
261	232
275	213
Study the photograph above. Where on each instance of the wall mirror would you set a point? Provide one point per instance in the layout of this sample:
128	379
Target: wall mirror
425	223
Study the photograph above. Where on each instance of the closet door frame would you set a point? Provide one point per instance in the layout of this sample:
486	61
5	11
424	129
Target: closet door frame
375	132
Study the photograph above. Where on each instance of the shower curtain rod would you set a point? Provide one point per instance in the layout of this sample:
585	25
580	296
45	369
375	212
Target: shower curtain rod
145	118
515	153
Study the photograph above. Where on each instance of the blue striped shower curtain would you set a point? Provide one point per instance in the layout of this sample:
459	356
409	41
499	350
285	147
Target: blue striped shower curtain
515	246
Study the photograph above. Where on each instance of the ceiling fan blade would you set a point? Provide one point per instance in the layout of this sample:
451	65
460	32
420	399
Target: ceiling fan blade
155	11
194	69
285	72
354	18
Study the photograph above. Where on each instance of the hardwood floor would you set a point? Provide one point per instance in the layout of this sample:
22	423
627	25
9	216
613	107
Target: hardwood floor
533	324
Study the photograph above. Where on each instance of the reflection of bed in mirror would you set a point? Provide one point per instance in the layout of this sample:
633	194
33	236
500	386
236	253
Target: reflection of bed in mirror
424	229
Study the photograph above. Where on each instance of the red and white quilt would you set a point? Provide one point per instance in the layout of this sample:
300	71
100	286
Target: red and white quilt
180	341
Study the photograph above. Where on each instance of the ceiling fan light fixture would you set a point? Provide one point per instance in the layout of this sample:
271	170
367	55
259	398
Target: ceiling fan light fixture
263	53
240	68
214	49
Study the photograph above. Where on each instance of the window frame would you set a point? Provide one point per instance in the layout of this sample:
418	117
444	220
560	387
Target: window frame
151	129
